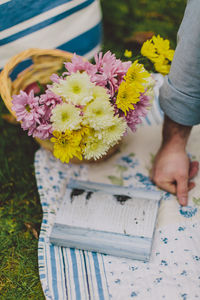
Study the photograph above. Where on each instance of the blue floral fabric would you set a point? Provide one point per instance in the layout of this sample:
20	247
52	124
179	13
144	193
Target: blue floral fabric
173	271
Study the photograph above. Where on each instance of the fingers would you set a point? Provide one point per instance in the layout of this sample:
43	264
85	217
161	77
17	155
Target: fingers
167	186
194	168
179	188
191	185
182	190
173	174
184	185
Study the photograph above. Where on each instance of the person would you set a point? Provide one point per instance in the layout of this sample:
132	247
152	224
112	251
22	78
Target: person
180	100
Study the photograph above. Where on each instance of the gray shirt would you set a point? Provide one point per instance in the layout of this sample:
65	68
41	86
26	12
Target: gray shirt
180	93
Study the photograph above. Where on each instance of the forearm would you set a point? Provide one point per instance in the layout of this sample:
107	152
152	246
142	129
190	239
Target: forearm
174	134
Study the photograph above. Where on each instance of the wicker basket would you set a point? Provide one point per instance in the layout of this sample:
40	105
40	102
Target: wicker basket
45	63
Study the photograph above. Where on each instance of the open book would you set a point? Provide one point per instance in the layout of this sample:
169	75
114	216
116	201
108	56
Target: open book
106	218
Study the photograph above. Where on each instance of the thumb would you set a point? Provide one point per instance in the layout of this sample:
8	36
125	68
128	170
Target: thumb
182	190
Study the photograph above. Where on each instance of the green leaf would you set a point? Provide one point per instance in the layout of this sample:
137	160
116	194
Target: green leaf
41	87
121	168
116	180
131	154
152	157
196	200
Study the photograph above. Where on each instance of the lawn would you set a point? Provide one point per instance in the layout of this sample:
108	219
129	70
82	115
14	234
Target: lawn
124	22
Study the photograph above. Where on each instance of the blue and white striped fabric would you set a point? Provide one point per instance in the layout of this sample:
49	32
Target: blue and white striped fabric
71	25
64	273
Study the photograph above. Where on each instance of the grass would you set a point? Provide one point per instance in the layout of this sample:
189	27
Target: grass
20	214
20	210
124	18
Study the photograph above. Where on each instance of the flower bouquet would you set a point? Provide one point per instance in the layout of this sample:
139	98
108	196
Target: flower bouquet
87	108
86	111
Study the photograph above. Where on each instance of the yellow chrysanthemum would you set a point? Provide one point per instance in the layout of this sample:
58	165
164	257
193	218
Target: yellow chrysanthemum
65	116
161	45
161	65
126	97
158	51
128	53
137	74
169	54
66	145
148	49
163	69
83	134
85	130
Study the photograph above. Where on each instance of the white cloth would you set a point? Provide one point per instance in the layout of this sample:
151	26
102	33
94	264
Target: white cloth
174	268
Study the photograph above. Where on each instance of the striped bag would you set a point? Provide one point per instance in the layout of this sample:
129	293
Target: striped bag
71	25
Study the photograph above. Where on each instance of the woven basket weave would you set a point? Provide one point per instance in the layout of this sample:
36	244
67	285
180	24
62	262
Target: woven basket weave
45	63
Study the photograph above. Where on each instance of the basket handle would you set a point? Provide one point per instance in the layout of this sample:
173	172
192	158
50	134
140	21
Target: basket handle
5	81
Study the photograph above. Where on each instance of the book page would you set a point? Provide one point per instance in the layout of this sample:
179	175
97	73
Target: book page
109	213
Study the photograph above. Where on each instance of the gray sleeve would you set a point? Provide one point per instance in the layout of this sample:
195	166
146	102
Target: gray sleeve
180	93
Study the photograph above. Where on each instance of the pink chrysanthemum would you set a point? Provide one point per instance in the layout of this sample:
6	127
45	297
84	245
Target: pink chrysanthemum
133	117
110	71
55	78
27	108
34	112
79	64
48	101
26	125
143	105
43	131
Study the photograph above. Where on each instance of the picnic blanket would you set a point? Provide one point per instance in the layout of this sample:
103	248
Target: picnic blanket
174	268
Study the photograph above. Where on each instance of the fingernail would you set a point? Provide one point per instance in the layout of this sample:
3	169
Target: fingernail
183	200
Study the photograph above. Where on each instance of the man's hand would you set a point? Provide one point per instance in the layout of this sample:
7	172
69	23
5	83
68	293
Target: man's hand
172	170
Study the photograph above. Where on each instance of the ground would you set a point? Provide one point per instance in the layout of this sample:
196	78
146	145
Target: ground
125	23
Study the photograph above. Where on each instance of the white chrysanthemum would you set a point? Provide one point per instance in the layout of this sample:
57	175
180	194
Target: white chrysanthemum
100	92
111	135
65	116
95	148
76	88
98	114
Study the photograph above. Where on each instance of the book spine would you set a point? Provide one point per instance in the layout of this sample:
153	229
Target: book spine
114	189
